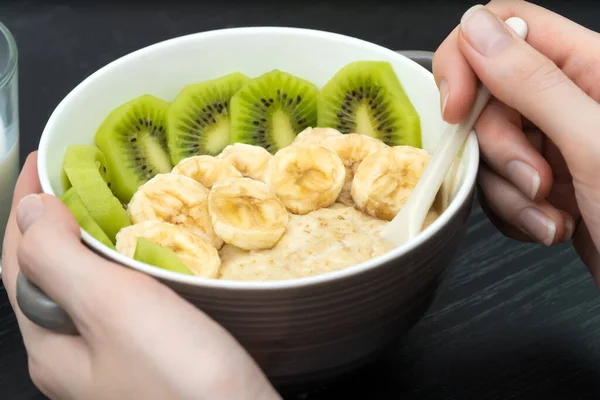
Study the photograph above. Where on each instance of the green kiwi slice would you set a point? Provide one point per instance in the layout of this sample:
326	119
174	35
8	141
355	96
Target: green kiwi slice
366	97
270	110
198	118
158	256
64	179
73	202
84	167
133	139
83	152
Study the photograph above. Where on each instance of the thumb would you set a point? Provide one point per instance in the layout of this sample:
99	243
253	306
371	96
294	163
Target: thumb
526	80
42	209
53	257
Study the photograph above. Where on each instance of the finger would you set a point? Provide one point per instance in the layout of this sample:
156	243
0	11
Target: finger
562	195
57	363
506	149
546	32
53	257
51	254
455	101
501	225
540	220
528	81
51	357
569	226
27	183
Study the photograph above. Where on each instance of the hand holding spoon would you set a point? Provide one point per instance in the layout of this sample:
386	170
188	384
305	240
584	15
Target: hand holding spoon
409	221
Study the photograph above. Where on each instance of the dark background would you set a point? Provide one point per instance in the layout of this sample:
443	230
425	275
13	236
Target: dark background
512	321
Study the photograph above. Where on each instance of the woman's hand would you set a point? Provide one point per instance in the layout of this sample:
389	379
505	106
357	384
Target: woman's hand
139	340
540	133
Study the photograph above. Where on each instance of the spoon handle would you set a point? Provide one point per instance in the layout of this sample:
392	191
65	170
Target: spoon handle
409	221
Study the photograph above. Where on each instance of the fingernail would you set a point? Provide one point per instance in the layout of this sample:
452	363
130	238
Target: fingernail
569	227
468	13
537	225
524	176
29	210
486	33
443	95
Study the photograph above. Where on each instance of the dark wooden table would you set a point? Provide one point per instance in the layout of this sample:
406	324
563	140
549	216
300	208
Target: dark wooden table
512	320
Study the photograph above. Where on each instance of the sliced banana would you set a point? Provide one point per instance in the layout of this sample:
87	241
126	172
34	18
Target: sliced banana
305	177
206	169
197	253
246	214
177	199
251	161
384	180
352	148
314	135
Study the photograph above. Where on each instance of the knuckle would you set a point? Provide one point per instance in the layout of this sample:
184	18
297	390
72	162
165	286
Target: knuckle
538	77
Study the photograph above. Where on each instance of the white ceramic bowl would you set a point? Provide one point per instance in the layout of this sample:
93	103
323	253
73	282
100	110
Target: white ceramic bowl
304	329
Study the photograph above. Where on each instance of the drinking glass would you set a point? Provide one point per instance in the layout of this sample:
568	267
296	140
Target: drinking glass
9	126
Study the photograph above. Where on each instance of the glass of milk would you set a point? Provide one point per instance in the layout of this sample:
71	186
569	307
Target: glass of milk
9	126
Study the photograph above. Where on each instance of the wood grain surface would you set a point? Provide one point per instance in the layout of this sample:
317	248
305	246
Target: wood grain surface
511	321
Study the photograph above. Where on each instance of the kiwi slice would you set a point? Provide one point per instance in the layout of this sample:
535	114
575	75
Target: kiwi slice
133	139
198	118
162	257
73	202
64	179
270	110
84	167
85	151
366	97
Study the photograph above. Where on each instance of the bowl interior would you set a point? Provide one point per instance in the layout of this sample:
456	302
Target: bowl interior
166	67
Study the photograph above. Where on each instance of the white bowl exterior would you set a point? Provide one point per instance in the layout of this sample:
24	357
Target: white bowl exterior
314	325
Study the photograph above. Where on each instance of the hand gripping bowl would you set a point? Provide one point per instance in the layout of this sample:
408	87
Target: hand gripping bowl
301	330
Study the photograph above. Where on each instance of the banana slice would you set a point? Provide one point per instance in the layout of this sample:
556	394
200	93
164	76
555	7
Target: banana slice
352	148
314	136
384	180
305	177
198	254
250	160
246	214
177	199
206	169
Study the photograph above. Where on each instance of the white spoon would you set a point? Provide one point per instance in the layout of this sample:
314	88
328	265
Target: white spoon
408	222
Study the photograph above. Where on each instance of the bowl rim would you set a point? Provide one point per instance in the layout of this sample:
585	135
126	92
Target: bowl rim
471	149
